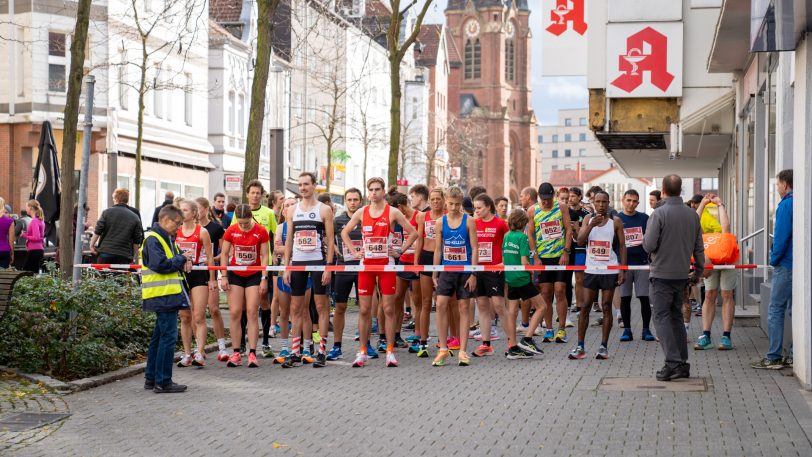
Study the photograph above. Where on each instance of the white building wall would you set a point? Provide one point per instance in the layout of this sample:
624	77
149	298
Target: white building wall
414	130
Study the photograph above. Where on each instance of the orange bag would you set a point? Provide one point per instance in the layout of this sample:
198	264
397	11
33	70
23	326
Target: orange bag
721	248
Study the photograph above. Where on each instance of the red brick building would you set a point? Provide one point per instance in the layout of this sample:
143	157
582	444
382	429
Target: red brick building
489	95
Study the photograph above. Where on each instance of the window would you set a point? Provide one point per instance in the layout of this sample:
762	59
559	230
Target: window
581	152
567	137
57	61
555	138
148	198
555	153
581	121
472	59
192	192
231	107
567	122
567	152
187	100
509	64
241	116
541	139
568	167
554	167
171	187
709	184
157	94
582	137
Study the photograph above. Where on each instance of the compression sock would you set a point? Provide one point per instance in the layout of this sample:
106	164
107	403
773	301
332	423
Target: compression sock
322	345
296	347
265	317
626	310
645	311
308	344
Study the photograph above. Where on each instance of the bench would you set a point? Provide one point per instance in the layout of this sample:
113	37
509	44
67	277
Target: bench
7	280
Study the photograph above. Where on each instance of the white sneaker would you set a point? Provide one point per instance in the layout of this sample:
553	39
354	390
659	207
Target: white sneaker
185	360
539	330
199	360
391	361
360	360
521	328
475	334
222	355
494	334
569	323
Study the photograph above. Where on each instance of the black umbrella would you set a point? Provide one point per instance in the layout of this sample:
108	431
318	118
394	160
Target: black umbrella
47	187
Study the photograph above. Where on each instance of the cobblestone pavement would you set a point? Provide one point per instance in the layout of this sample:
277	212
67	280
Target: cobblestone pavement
20	396
545	406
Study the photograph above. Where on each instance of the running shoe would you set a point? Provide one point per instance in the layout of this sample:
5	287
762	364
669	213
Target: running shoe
627	335
516	353
272	332
360	360
409	325
381	345
494	334
704	342
462	359
277	329
375	326
577	354
521	328
283	354
407	316
561	336
475	334
413	338
548	337
371	352
453	343
414	348
694	304
483	351
528	345
391	361
602	353
475	326
539	330
647	336
568	323
620	322
335	354
767	364
598	322
307	357
596	308
252	360
267	352
293	360
222	356
185	361
725	344
356	336
199	360
439	360
320	361
235	360
423	352
400	343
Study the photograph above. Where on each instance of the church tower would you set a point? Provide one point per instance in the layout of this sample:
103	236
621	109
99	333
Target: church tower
489	101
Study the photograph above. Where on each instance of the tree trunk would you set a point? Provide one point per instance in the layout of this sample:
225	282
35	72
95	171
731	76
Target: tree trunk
256	116
71	117
139	138
394	117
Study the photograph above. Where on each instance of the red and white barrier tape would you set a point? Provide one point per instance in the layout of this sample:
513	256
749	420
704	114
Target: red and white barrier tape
414	268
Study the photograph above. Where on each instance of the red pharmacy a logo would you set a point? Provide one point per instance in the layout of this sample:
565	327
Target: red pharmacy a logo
567	12
636	61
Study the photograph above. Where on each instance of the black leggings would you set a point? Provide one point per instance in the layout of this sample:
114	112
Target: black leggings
626	311
33	260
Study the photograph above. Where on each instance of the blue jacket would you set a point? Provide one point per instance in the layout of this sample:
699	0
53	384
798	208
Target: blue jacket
781	254
155	259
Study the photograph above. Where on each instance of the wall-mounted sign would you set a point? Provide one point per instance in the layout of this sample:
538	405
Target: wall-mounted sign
563	42
644	59
233	183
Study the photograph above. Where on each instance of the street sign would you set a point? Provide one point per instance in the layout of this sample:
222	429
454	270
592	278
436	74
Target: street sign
233	183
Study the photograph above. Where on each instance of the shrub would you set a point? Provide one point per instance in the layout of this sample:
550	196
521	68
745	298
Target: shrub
108	332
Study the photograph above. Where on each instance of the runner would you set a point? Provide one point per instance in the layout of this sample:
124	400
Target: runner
550	223
501	208
634	227
377	223
598	233
276	199
344	281
244	244
456	246
216	232
528	198
406	280
312	243
577	215
194	242
516	251
490	291
424	255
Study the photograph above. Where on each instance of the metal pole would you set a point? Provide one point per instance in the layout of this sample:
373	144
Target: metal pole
80	214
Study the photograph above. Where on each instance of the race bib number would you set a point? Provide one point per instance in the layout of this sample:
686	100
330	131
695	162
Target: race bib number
357	246
189	249
634	236
245	255
202	258
430	227
375	247
397	240
599	250
485	251
551	231
305	240
455	254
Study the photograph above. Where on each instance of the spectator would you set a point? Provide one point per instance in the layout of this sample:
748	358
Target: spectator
781	294
654	199
672	236
118	231
169	198
6	236
220	210
34	238
501	208
20	226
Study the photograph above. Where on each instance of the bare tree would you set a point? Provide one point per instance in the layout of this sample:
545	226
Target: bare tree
366	131
466	140
71	116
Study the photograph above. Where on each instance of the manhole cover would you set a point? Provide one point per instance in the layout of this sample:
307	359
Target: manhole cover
651	384
26	421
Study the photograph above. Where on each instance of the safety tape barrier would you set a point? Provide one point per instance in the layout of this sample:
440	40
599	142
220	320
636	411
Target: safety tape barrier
413	268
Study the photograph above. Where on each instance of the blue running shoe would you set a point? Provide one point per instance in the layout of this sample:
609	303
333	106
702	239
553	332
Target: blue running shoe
375	327
414	348
412	338
371	352
381	345
627	335
335	354
725	344
647	336
277	328
548	336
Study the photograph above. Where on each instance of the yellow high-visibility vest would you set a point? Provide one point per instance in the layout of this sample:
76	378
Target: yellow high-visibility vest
158	284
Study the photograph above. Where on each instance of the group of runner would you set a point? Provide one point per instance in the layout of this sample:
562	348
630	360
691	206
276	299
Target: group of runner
427	227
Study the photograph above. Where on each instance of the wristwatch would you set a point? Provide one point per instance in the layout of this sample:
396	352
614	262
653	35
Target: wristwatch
568	250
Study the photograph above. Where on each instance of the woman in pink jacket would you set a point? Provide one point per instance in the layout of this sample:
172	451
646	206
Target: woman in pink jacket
34	237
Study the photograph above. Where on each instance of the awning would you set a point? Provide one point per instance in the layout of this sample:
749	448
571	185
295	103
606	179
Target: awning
731	42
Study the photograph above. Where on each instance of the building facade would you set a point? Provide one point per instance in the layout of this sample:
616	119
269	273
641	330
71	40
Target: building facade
570	144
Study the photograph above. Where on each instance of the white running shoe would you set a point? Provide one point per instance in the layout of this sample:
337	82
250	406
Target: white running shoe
391	361
360	360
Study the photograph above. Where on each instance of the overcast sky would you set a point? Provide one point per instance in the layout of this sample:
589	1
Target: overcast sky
549	94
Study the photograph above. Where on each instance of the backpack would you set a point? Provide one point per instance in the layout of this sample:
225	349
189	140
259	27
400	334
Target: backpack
721	248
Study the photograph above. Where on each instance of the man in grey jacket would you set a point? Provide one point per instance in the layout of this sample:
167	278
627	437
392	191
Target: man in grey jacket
673	235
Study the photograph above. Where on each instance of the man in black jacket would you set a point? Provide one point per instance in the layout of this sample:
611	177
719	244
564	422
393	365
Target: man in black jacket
169	198
118	232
